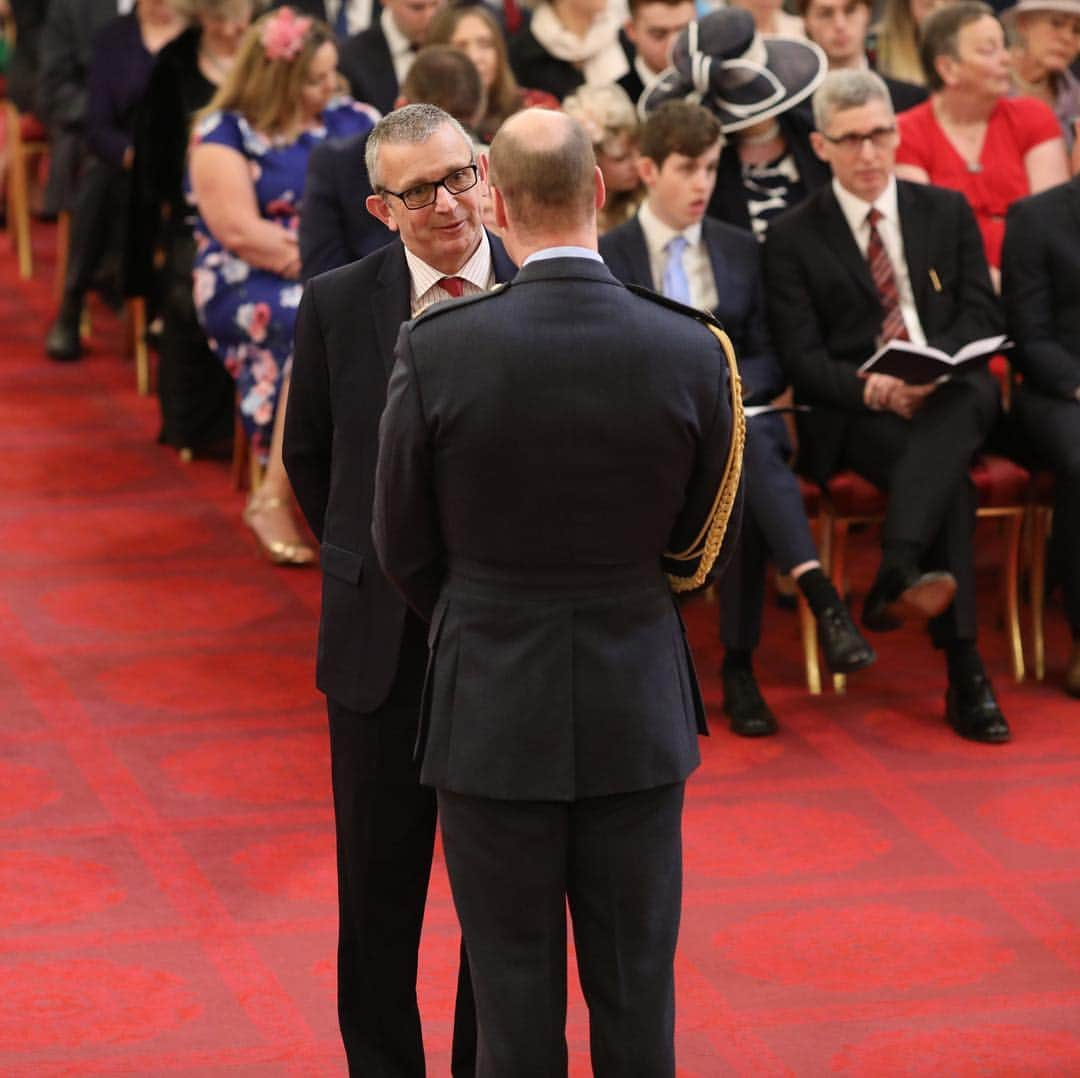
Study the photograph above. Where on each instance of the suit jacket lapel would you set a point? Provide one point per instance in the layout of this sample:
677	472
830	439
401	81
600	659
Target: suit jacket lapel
637	252
391	301
842	243
500	261
916	229
720	271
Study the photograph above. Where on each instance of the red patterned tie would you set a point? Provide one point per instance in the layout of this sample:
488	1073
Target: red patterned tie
881	269
453	286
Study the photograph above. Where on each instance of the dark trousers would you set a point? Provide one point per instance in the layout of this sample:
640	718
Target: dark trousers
617	860
1052	427
97	224
385	825
774	525
923	464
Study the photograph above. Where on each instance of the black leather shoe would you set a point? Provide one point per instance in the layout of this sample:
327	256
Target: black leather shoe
972	709
743	702
901	595
63	341
845	648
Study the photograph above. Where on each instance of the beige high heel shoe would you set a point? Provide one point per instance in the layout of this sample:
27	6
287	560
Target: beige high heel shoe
276	551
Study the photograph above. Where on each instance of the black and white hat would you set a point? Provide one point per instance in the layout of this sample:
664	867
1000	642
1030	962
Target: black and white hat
744	77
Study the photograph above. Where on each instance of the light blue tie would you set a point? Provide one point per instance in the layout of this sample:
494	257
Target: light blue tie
675	284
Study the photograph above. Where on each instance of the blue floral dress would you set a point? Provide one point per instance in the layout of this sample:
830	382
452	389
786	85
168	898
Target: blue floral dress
248	314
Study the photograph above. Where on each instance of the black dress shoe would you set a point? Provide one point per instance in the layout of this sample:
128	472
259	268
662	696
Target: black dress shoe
972	709
63	341
845	648
743	702
899	595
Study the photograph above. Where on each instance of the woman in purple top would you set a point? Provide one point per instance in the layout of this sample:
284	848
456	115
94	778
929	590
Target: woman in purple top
247	163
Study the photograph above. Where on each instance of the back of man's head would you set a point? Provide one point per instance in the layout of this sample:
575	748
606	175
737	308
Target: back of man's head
444	76
543	166
680	127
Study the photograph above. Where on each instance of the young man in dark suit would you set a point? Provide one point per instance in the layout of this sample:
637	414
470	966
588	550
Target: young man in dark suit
376	60
336	227
649	35
372	650
540	451
864	260
673	247
1041	289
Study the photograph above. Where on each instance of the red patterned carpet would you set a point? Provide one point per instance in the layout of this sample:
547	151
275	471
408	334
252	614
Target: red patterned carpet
866	894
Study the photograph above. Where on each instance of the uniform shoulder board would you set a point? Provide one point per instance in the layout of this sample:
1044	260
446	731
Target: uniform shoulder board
453	304
705	317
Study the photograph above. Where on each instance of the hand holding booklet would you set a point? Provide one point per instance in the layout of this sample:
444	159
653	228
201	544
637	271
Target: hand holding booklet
918	364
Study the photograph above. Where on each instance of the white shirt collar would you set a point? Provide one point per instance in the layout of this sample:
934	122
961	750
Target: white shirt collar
855	209
398	43
562	252
658	235
476	270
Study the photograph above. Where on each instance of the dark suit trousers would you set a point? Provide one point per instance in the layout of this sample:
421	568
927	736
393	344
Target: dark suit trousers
385	824
773	523
1052	426
923	464
617	860
97	222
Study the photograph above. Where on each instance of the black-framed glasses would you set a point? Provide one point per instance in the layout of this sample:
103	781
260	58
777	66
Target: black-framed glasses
424	194
881	138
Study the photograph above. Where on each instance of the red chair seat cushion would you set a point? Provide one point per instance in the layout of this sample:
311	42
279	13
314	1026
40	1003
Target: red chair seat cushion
31	129
811	497
999	482
853	496
1044	487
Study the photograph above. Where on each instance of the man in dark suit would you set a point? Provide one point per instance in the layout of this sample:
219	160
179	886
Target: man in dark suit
336	227
648	37
1041	288
540	451
372	651
840	28
673	247
376	60
868	259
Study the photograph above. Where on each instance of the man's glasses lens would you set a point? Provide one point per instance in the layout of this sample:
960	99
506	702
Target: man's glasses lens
880	137
424	194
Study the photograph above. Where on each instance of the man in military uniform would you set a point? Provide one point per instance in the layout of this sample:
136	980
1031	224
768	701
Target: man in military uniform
546	453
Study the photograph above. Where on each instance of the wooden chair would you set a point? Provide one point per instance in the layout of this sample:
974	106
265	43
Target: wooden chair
1042	517
1001	486
27	144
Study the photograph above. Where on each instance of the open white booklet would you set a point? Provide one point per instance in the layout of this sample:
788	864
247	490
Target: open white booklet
918	364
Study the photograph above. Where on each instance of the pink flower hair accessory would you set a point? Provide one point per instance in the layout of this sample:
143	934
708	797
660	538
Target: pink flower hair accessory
283	34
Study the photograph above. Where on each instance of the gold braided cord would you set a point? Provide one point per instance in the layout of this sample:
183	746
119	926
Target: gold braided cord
706	546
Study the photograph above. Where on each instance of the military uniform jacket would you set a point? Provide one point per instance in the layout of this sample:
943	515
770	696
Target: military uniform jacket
541	448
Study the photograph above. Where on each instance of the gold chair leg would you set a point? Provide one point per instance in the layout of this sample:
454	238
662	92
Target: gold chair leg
1012	596
808	632
136	311
1037	586
838	569
19	196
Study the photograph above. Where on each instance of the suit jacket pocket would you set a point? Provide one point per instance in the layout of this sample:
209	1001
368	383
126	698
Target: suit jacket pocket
341	564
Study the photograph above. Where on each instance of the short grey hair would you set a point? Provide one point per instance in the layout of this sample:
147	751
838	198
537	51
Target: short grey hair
410	124
843	89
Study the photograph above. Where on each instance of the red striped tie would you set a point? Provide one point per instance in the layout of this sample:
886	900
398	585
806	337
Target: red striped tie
453	286
881	269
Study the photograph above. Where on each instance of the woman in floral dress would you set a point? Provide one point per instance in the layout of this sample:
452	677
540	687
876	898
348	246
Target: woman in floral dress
247	163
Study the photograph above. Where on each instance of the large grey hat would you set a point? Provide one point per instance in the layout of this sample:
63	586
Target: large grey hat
744	77
1067	7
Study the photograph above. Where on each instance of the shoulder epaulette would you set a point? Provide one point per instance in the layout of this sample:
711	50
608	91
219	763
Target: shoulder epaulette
455	304
705	317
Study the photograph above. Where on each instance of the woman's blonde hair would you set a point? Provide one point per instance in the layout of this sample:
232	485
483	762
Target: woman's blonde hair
897	43
265	91
504	94
604	110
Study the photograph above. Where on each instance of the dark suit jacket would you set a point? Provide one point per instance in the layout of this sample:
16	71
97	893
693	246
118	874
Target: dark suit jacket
66	47
728	202
904	95
736	264
1041	288
541	448
535	67
345	332
824	310
335	227
364	59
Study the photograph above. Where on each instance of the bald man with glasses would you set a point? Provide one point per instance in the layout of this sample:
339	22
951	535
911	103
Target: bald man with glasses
864	260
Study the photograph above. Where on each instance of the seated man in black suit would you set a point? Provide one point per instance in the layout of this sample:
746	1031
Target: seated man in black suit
536	462
864	260
1041	288
376	60
673	247
336	227
650	33
840	27
372	651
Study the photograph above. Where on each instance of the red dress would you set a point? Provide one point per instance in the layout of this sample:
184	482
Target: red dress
1016	125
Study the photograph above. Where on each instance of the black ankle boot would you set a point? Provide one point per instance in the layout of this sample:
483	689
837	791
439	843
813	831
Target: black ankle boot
63	341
